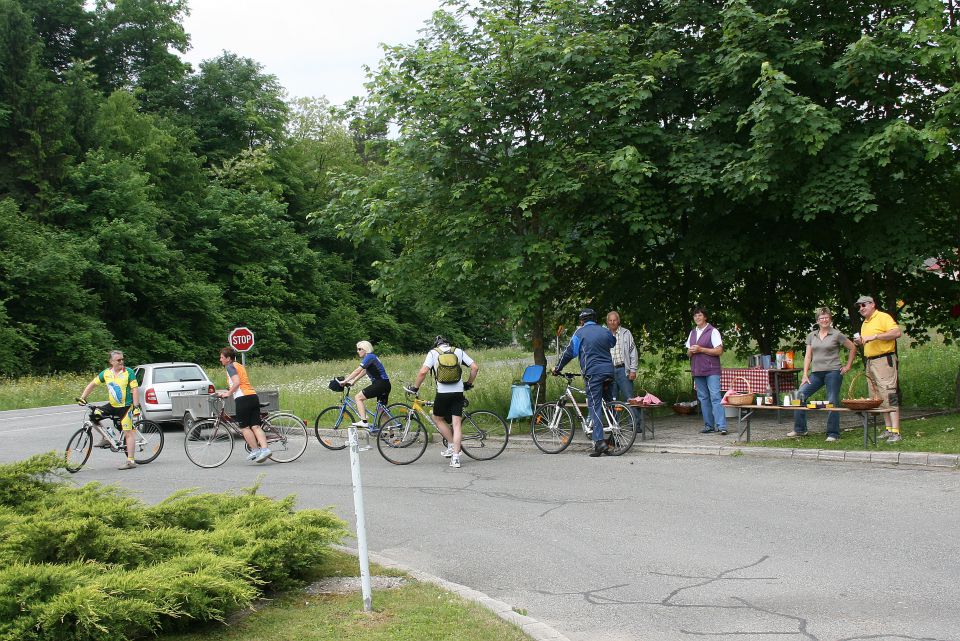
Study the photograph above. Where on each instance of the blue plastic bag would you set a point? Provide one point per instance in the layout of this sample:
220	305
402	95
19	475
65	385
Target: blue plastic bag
519	402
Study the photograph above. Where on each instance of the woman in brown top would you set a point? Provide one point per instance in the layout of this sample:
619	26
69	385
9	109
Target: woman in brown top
821	366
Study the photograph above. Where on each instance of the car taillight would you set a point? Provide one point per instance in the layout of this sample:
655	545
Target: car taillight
151	396
211	389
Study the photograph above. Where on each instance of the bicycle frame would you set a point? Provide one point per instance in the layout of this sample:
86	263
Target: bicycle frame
553	425
567	395
347	402
117	442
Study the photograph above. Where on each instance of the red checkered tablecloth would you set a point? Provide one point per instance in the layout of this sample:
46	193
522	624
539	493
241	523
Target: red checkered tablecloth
760	379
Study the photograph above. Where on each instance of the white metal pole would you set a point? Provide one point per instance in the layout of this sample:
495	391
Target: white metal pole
361	522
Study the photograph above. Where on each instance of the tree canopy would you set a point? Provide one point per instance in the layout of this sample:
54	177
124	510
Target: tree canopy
521	159
760	158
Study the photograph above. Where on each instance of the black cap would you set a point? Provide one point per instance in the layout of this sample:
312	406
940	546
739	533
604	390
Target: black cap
588	314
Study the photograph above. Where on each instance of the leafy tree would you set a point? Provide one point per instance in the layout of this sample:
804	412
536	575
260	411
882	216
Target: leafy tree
508	181
48	318
234	106
134	46
33	136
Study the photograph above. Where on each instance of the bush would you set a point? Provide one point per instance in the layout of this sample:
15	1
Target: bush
93	563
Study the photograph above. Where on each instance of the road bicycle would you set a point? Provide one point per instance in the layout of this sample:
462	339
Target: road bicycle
209	442
148	437
331	425
403	438
552	424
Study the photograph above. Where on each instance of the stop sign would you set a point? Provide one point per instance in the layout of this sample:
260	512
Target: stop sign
241	339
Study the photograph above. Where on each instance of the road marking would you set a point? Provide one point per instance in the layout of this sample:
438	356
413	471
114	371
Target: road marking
32	429
27	416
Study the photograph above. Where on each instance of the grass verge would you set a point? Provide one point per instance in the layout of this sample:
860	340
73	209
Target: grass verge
415	611
939	434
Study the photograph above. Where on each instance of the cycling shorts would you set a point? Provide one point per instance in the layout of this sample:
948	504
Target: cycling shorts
248	410
378	389
448	404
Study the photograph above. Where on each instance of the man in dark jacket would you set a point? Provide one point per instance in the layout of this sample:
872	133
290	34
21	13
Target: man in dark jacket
592	343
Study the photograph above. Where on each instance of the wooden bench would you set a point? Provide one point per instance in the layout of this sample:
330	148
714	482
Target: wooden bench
744	412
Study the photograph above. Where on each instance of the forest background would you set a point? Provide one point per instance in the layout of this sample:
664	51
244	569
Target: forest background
520	160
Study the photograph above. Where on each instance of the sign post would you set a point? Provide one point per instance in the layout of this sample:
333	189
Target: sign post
362	553
242	340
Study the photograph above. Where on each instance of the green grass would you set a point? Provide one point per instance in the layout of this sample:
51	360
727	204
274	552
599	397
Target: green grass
927	373
415	611
41	391
934	434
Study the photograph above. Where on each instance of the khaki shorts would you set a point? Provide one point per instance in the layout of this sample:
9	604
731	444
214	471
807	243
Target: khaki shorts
882	377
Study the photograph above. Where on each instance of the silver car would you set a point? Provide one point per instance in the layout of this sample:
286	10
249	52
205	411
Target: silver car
159	381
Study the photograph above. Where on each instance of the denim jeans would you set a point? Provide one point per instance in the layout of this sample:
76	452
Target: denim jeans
708	393
832	379
622	388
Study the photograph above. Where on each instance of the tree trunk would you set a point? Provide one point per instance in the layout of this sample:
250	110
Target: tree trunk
957	401
539	354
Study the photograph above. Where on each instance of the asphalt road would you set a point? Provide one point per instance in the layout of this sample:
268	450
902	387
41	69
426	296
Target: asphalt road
645	546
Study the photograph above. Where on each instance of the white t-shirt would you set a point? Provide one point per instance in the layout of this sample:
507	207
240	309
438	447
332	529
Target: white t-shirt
714	337
431	363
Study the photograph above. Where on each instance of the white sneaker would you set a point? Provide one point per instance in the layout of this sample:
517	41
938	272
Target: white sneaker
362	424
831	439
447	453
253	454
454	461
263	455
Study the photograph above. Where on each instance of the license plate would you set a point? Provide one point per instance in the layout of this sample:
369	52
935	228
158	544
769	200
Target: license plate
188	392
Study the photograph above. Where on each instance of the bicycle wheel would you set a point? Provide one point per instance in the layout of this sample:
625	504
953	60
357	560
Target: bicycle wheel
392	411
148	441
286	436
331	427
621	429
552	428
485	435
78	449
209	443
402	439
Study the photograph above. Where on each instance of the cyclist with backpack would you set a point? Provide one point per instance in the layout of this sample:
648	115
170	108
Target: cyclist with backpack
446	363
592	343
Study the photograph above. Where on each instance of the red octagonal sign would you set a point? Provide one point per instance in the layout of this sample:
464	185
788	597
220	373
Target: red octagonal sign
241	339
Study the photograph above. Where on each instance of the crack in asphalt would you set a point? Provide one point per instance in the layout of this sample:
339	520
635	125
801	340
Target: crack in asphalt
469	489
595	597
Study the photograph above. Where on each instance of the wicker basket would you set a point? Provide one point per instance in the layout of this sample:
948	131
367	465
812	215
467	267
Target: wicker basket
746	398
860	404
683	410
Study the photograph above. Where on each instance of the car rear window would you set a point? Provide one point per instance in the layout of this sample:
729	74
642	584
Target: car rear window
179	374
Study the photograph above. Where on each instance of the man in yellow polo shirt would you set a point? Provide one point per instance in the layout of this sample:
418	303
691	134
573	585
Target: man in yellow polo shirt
878	335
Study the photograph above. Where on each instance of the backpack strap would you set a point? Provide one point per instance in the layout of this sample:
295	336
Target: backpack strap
433	370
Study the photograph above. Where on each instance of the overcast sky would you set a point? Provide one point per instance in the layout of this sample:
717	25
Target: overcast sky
314	47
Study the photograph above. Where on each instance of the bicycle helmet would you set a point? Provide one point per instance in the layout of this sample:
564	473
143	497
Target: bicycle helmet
440	340
336	384
588	315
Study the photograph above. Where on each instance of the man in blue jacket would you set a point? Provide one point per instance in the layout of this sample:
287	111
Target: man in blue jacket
592	344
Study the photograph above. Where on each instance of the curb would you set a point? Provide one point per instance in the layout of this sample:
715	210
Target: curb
885	457
920	459
527	624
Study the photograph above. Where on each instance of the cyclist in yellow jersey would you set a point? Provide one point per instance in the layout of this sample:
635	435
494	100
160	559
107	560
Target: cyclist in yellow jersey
122	391
248	405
